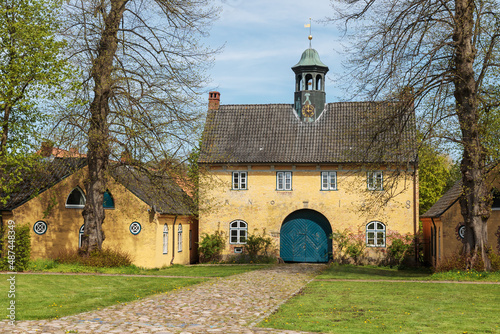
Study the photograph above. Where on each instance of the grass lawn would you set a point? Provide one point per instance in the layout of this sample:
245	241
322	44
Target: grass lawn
373	307
175	270
385	273
51	296
347	271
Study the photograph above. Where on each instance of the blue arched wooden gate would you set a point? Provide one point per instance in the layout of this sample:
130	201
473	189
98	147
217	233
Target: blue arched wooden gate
304	237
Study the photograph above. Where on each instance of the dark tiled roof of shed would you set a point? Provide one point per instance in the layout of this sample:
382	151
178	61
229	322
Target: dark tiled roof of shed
161	192
447	200
345	132
43	175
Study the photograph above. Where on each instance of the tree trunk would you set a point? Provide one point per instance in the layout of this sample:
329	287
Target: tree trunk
475	198
5	130
98	141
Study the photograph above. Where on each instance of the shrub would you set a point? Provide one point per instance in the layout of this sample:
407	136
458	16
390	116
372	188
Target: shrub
17	240
105	257
258	245
397	251
211	246
349	246
458	261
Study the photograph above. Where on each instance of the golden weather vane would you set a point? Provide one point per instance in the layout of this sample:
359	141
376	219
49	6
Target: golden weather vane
308	25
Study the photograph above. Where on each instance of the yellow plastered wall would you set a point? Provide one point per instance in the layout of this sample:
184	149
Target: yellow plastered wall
145	248
263	207
451	220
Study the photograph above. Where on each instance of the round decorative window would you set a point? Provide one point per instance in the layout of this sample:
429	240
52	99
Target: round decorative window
40	227
461	231
135	228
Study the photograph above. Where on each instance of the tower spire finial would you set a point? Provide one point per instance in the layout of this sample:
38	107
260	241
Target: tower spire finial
310	32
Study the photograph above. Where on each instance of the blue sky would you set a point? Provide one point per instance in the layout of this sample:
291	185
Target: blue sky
263	39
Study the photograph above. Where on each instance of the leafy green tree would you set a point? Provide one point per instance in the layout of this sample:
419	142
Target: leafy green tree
435	175
32	71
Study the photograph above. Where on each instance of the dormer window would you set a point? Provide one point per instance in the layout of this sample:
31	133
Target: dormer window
76	199
108	202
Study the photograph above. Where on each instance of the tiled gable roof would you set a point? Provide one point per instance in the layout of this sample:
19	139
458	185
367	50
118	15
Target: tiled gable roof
445	202
161	192
44	175
356	132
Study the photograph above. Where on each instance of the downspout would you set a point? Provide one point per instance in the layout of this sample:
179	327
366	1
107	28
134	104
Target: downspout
173	241
434	242
415	212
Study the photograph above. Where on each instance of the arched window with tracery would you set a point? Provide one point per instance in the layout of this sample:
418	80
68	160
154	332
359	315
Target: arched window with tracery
76	199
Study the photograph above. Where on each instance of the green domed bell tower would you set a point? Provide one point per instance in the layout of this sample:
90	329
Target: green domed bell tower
310	97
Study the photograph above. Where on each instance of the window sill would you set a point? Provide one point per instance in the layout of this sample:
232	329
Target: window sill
69	206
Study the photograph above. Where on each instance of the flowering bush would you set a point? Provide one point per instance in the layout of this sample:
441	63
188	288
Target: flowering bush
398	247
349	245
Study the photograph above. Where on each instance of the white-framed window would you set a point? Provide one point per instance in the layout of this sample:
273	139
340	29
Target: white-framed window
375	234
179	238
80	235
240	180
238	230
328	180
165	239
76	199
283	180
375	180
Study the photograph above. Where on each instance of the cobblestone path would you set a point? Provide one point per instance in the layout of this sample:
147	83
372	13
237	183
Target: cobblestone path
227	305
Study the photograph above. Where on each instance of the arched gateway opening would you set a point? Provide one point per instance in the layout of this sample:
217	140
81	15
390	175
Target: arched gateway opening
305	237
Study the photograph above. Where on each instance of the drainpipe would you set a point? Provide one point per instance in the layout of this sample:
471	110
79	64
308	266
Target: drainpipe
415	212
434	242
173	241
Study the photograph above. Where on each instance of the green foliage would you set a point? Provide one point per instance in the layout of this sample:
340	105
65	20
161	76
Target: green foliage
459	262
105	257
349	245
31	68
258	245
193	176
436	175
397	251
16	247
211	246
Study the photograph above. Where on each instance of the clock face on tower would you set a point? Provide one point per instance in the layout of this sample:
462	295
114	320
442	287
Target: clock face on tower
308	110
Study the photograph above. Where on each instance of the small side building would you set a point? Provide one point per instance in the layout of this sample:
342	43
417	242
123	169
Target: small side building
149	217
444	228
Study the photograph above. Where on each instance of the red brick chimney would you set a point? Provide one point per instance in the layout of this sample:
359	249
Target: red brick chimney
46	149
213	100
